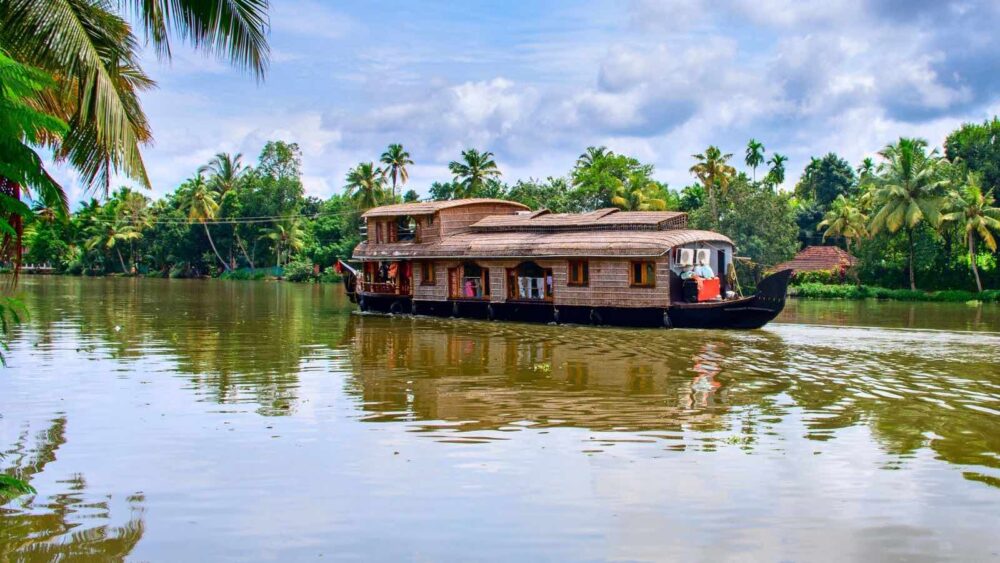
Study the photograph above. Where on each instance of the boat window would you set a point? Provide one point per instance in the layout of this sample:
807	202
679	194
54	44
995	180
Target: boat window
474	282
529	281
406	228
378	232
427	273
579	273
643	274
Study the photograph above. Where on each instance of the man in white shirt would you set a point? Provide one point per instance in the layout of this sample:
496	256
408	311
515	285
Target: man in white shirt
703	270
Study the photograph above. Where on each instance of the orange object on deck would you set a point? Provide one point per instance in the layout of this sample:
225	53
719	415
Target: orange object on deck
708	289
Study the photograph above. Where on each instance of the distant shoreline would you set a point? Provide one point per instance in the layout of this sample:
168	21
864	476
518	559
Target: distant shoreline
860	292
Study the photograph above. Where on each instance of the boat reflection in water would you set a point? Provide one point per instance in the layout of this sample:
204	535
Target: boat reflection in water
695	389
462	375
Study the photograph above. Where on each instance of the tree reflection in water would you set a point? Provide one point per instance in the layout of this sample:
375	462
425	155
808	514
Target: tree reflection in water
63	525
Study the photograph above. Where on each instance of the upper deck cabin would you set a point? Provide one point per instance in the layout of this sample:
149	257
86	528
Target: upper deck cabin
502	252
427	222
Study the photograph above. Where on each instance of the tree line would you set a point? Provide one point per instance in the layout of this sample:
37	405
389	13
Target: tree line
910	214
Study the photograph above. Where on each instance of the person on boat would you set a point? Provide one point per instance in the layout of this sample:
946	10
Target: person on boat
704	270
688	272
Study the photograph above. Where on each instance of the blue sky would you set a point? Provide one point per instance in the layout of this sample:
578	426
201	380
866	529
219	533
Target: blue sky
538	82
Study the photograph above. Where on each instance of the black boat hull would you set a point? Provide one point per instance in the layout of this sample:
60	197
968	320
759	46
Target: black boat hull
745	313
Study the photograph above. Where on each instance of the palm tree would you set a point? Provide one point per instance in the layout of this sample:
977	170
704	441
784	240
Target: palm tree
396	160
224	174
908	191
714	171
592	155
366	185
108	230
866	169
979	218
287	235
754	156
94	55
199	199
471	174
844	220
132	208
224	171
776	175
638	193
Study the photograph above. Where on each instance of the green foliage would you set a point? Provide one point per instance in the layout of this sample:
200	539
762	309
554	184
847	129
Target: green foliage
825	179
472	172
334	232
11	487
844	220
280	160
246	274
908	191
822	291
692	197
977	146
330	275
601	175
759	220
443	191
366	185
776	175
300	271
553	194
712	168
754	155
22	125
825	277
396	161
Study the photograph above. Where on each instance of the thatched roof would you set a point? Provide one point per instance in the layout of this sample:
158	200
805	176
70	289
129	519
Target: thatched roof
520	244
818	258
602	219
431	207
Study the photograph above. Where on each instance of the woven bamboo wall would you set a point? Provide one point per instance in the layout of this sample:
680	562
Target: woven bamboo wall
459	219
438	291
428	231
609	286
609	283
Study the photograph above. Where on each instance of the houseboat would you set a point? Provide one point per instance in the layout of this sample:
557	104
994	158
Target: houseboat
498	260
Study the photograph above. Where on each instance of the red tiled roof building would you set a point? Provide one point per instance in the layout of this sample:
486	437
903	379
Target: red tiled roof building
819	258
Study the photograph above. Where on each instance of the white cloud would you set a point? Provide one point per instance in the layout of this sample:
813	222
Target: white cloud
660	80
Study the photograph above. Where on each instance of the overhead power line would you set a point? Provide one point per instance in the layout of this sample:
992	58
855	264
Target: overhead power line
231	221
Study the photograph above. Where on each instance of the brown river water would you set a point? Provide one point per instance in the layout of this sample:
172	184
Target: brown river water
187	420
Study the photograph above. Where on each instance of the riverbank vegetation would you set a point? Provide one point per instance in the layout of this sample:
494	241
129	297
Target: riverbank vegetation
845	291
913	217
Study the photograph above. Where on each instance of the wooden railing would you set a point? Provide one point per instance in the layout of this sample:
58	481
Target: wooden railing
384	288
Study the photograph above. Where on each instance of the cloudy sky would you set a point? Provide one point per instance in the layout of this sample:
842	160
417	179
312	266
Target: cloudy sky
537	82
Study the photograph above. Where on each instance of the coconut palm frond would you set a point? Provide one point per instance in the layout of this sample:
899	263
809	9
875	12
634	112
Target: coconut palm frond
232	29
